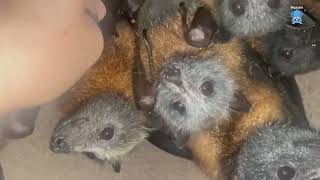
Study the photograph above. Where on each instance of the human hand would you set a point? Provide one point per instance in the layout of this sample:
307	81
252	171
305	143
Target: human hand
45	47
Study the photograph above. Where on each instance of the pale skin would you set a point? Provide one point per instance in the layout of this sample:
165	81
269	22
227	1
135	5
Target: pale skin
45	47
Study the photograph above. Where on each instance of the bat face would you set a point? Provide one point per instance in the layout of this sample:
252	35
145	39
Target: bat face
280	153
194	93
107	127
244	18
295	51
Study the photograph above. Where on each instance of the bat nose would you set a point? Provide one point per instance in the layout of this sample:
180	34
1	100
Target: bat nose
59	145
171	74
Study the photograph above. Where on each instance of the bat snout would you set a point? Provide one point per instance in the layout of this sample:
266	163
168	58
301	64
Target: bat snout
59	145
171	74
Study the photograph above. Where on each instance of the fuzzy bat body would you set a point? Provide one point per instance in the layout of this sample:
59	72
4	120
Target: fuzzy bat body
247	18
107	127
280	152
212	146
115	72
164	32
111	74
156	18
151	18
293	51
169	30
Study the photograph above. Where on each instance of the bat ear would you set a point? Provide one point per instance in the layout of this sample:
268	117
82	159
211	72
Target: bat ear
116	165
203	28
240	103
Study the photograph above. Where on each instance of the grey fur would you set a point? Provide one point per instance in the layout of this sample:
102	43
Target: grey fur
81	131
201	110
154	12
258	18
306	55
277	146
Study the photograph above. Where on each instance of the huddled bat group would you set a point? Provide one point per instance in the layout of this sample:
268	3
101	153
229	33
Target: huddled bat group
208	80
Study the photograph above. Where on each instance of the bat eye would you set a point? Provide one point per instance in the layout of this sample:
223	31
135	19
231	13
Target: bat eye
107	134
286	53
179	107
238	7
286	173
207	88
274	4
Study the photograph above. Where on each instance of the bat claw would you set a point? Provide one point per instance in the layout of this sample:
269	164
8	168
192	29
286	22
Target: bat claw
116	166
